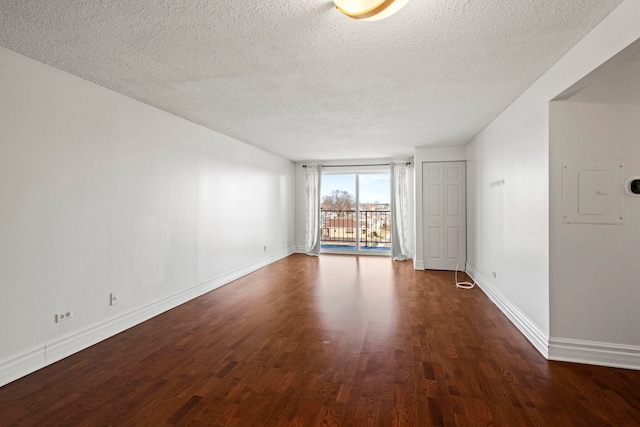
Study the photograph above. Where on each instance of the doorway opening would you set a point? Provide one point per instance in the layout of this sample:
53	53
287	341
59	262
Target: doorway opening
355	212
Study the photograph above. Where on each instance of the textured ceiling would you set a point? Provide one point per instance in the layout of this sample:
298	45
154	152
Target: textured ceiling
301	80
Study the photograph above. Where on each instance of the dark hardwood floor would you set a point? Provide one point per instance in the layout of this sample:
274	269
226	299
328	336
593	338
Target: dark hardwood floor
335	340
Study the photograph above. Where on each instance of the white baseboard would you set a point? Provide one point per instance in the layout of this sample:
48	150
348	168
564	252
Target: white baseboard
539	340
418	265
19	365
561	349
595	353
51	351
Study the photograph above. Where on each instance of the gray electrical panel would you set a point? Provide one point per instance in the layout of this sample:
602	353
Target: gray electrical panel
593	192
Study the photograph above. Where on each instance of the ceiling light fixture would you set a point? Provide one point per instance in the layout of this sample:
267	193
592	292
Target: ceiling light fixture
369	10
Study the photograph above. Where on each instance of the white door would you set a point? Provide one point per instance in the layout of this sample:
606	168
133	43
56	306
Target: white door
444	215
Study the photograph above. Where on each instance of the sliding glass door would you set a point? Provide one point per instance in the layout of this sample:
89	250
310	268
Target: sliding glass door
355	212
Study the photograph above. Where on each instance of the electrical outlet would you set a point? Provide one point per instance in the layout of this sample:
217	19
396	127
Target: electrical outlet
114	298
265	248
64	315
494	275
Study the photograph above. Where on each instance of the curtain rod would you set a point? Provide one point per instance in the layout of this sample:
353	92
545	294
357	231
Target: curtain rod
351	166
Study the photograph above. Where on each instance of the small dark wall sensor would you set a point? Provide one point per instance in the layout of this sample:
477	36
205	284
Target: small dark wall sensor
633	186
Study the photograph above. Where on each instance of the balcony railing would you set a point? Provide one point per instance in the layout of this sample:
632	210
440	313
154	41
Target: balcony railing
339	228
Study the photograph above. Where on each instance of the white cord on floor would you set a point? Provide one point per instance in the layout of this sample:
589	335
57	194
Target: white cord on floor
463	285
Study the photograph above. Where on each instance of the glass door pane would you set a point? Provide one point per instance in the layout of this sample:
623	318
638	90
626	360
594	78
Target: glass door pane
338	212
374	212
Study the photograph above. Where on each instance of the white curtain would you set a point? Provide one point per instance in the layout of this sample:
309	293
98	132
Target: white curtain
400	244
314	178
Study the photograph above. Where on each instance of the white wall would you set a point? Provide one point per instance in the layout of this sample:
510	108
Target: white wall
100	193
508	225
300	191
594	292
507	210
421	155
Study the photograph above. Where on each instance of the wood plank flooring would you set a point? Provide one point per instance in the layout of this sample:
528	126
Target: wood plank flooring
328	341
